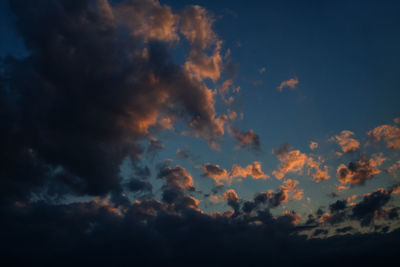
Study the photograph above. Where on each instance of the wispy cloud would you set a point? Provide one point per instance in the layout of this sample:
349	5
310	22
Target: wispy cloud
291	83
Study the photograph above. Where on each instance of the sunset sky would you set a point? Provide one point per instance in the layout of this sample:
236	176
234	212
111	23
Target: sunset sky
199	133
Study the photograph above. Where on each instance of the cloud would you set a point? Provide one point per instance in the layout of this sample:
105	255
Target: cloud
233	199
357	173
338	205
291	83
370	204
196	26
288	190
294	161
253	170
393	169
262	70
313	145
99	115
389	134
247	139
346	142
216	173
396	120
344	229
161	25
220	175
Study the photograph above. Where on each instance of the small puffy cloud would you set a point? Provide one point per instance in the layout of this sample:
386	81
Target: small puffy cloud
225	86
253	170
356	173
294	161
396	189
247	139
393	169
232	198
313	145
396	120
291	83
215	172
291	216
346	142
390	135
177	177
262	70
220	175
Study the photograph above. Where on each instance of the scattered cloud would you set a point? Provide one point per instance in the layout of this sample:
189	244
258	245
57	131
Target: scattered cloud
291	83
390	135
346	142
357	173
220	175
313	145
247	139
293	161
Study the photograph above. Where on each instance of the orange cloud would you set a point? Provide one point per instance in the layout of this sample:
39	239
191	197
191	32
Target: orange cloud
396	189
390	135
220	175
289	188
393	169
196	26
161	25
294	217
291	83
295	161
346	142
360	171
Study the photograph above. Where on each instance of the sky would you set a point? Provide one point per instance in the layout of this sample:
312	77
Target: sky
199	132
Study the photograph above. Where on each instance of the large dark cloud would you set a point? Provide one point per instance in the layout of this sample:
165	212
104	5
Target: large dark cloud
90	89
96	234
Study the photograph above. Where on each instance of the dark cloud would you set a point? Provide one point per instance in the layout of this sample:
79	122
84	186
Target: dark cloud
78	234
232	199
371	203
135	185
273	199
338	205
94	84
344	229
154	147
319	232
